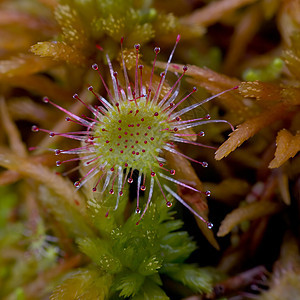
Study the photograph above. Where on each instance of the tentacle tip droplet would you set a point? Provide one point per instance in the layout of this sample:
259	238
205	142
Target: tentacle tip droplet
99	47
57	151
207	193
95	67
169	204
204	164
77	184
209	225
156	50
34	128
45	99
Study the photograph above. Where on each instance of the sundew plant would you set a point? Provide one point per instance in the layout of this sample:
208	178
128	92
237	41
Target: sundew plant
149	149
126	138
130	132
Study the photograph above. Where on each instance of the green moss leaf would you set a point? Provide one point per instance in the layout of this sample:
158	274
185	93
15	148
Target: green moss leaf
83	284
100	253
128	283
151	291
177	246
198	280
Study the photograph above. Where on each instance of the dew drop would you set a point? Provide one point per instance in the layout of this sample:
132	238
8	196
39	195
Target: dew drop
137	211
57	151
201	133
152	174
143	187
94	189
185	68
77	184
207	193
90	88
95	66
204	164
35	128
156	50
46	100
169	204
51	134
75	96
121	193
130	180
172	172
210	225
111	191
58	163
